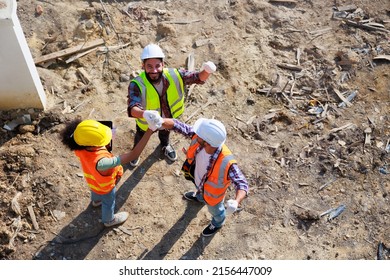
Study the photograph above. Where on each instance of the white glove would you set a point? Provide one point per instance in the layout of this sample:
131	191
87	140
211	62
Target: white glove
153	119
231	206
209	67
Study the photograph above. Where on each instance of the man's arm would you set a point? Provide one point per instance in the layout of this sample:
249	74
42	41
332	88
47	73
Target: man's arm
134	101
240	195
178	126
203	75
136	112
108	163
133	154
239	182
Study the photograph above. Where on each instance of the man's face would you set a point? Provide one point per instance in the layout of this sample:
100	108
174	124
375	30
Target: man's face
153	68
201	142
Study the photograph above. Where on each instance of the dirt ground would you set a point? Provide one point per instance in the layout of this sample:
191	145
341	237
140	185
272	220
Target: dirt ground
283	68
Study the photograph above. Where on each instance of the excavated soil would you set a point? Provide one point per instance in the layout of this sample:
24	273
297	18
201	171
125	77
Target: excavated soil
283	69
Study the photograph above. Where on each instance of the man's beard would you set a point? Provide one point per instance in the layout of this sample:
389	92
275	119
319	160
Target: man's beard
154	80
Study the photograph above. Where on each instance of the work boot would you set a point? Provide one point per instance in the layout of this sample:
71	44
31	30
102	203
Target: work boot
96	203
191	196
210	230
169	152
134	162
119	218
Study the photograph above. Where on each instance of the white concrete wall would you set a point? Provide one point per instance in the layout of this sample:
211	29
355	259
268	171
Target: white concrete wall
20	86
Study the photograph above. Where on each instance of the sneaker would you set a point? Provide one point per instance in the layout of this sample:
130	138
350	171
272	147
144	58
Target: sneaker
134	162
119	218
191	196
169	152
96	203
210	230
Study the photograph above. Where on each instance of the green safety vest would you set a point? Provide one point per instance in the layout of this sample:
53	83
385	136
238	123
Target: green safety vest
151	99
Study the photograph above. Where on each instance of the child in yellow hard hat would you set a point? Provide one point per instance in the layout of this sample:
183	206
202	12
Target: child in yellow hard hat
102	170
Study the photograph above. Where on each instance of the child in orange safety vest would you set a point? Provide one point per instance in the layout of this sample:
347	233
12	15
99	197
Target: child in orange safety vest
102	170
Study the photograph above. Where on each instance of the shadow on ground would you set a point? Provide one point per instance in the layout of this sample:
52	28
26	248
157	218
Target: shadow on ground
161	249
79	237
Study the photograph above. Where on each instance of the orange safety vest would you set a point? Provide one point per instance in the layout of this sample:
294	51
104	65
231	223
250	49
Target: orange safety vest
98	183
217	182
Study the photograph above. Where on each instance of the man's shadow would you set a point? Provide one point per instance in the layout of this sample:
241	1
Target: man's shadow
197	248
79	237
172	236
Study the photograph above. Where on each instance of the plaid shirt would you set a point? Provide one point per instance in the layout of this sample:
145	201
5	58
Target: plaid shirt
134	94
234	174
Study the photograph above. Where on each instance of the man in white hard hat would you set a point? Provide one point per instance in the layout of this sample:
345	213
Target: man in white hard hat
160	89
211	166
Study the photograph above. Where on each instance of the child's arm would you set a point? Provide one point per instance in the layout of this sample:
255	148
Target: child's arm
133	154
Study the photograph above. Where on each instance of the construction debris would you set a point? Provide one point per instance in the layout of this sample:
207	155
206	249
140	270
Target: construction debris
69	51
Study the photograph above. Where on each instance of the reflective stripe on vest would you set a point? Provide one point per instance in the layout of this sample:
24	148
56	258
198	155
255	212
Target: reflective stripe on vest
214	189
217	182
151	99
192	148
97	182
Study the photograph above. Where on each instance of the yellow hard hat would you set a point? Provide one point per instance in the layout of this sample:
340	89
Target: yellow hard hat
92	133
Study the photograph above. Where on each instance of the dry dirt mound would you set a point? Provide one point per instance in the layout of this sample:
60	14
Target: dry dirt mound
284	69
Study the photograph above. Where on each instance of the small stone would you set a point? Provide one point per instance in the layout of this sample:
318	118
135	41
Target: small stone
124	78
26	128
38	10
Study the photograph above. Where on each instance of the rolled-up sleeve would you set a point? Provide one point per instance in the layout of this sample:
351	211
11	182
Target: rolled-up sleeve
183	128
190	77
133	98
238	178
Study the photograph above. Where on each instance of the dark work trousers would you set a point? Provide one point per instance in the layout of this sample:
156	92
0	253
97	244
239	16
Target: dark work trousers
163	135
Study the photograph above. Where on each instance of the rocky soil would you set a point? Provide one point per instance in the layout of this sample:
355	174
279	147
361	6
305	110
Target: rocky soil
284	69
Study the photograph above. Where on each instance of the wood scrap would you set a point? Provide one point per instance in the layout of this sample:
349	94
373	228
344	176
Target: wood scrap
191	67
109	19
375	24
77	56
371	122
52	215
210	101
300	206
16	226
367	136
290	67
33	218
283	1
106	49
191	62
298	56
72	50
325	185
348	125
250	120
349	98
321	31
182	21
366	26
341	96
84	76
15	206
384	57
347	8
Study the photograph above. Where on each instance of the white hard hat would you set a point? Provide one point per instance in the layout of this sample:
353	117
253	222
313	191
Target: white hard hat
210	130
152	51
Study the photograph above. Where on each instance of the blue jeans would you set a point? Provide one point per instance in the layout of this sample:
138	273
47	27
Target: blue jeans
108	204
217	211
